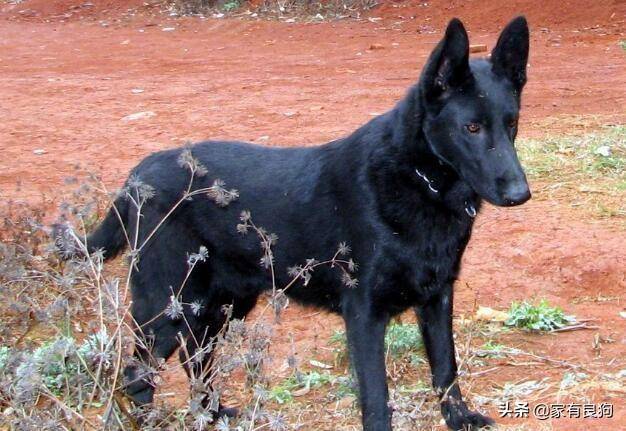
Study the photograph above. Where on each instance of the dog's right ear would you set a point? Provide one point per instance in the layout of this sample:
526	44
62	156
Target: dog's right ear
448	64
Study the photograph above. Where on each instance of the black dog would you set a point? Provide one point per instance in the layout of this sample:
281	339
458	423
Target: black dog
402	191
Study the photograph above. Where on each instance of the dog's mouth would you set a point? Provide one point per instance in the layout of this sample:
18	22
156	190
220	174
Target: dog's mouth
512	195
504	194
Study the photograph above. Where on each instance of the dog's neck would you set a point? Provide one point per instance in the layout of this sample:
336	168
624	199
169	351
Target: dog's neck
407	168
439	181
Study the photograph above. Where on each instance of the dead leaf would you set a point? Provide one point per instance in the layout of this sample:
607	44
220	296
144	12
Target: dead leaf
320	365
300	392
138	116
346	402
487	314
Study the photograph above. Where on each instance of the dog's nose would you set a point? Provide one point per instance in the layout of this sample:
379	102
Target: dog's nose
517	194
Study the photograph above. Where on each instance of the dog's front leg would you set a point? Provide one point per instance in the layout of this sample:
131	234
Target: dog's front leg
435	319
366	343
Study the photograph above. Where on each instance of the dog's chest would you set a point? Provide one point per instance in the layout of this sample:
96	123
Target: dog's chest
411	270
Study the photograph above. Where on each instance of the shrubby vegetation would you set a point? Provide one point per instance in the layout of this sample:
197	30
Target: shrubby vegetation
289	8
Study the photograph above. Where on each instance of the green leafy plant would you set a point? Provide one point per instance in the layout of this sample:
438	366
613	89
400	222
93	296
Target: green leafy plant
4	357
230	5
400	339
60	364
539	317
593	163
403	338
491	349
284	392
345	386
281	394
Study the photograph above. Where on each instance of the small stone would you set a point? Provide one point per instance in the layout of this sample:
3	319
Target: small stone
346	402
39	151
139	115
604	151
321	365
301	392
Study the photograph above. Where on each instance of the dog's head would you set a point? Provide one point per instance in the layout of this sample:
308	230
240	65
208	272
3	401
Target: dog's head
472	107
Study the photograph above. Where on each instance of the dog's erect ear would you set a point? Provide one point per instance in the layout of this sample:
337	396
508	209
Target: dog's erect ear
510	55
448	64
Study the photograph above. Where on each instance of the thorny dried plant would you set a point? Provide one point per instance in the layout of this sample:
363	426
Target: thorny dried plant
54	291
301	9
67	331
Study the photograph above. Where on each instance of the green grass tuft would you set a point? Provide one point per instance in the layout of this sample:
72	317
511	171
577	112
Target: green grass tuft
539	317
231	5
594	155
4	358
283	393
491	349
588	170
403	338
400	339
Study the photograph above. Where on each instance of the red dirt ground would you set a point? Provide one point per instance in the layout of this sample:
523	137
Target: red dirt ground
67	79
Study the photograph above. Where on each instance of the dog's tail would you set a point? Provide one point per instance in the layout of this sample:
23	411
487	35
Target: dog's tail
110	236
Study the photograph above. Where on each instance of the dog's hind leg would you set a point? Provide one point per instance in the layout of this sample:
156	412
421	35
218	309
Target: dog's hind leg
155	342
160	314
197	356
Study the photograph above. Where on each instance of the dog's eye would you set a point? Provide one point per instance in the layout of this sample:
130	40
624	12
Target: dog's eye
473	128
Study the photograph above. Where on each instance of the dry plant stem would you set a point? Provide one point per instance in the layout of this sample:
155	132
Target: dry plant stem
176	295
561	363
97	277
121	315
266	240
479	373
188	194
465	360
256	406
66	408
105	348
220	333
303	270
575	327
111	202
118	361
120	403
96	274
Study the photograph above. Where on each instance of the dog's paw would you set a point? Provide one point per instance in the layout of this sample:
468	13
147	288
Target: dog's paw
459	418
231	412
